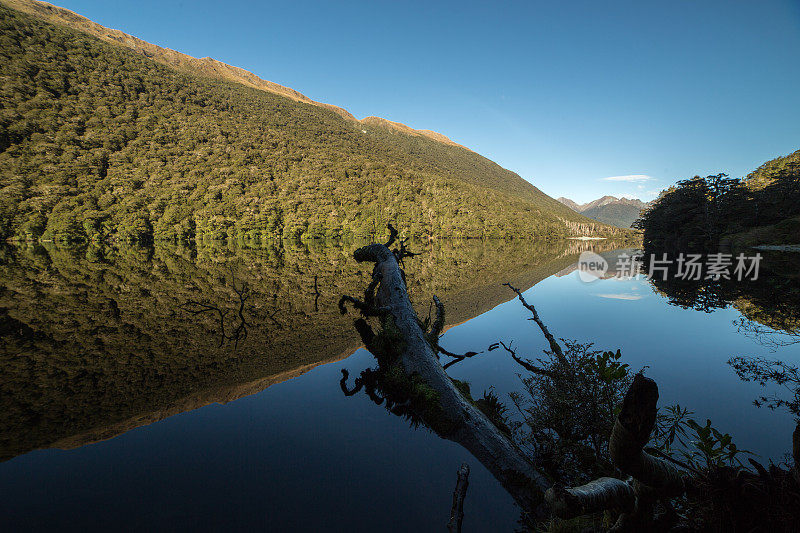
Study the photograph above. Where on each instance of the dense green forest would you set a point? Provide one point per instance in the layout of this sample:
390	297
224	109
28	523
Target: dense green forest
98	142
702	213
95	340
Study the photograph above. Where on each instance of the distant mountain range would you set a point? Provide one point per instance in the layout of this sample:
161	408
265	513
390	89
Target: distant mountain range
621	212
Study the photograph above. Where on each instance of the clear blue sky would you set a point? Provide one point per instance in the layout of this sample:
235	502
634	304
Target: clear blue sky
563	93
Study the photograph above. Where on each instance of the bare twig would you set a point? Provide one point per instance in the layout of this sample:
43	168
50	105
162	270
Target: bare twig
457	358
239	332
527	364
316	293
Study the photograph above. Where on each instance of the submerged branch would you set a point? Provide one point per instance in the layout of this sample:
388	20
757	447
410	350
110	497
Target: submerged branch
438	323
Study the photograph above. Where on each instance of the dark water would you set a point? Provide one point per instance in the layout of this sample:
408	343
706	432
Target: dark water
126	407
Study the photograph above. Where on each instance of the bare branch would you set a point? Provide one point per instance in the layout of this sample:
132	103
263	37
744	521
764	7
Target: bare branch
392	235
554	346
457	358
527	364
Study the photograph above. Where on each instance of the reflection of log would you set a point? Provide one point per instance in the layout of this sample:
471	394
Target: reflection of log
554	346
460	492
458	418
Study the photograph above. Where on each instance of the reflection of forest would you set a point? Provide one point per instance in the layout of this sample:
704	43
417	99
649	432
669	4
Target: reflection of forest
772	300
96	342
770	305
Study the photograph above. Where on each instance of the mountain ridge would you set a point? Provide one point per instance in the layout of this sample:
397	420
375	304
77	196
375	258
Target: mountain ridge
207	66
620	212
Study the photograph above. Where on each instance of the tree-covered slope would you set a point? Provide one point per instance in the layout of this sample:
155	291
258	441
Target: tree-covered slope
702	213
773	170
100	142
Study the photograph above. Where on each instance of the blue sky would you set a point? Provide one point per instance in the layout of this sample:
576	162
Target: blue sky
563	93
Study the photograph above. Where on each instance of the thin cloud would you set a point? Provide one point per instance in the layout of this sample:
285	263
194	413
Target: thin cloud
621	296
631	178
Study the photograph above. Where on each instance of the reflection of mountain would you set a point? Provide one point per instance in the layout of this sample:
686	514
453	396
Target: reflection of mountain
223	394
94	341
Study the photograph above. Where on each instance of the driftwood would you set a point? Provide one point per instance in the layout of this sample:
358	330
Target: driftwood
455	416
460	492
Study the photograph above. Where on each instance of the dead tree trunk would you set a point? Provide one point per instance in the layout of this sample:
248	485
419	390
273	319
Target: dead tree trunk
455	417
651	477
460	492
796	453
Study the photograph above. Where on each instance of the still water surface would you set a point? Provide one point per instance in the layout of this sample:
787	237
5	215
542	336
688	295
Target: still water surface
126	408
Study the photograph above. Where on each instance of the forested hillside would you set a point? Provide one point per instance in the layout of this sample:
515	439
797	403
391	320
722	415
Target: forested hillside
774	169
98	142
699	213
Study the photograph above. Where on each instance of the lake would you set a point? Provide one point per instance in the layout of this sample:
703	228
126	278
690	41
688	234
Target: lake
197	388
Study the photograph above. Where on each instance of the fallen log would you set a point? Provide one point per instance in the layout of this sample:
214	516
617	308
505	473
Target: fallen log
402	347
597	495
408	362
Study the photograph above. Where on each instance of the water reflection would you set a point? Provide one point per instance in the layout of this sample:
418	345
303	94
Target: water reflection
99	340
770	316
568	429
95	343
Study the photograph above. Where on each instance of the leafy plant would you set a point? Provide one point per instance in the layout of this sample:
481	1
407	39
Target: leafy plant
711	446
